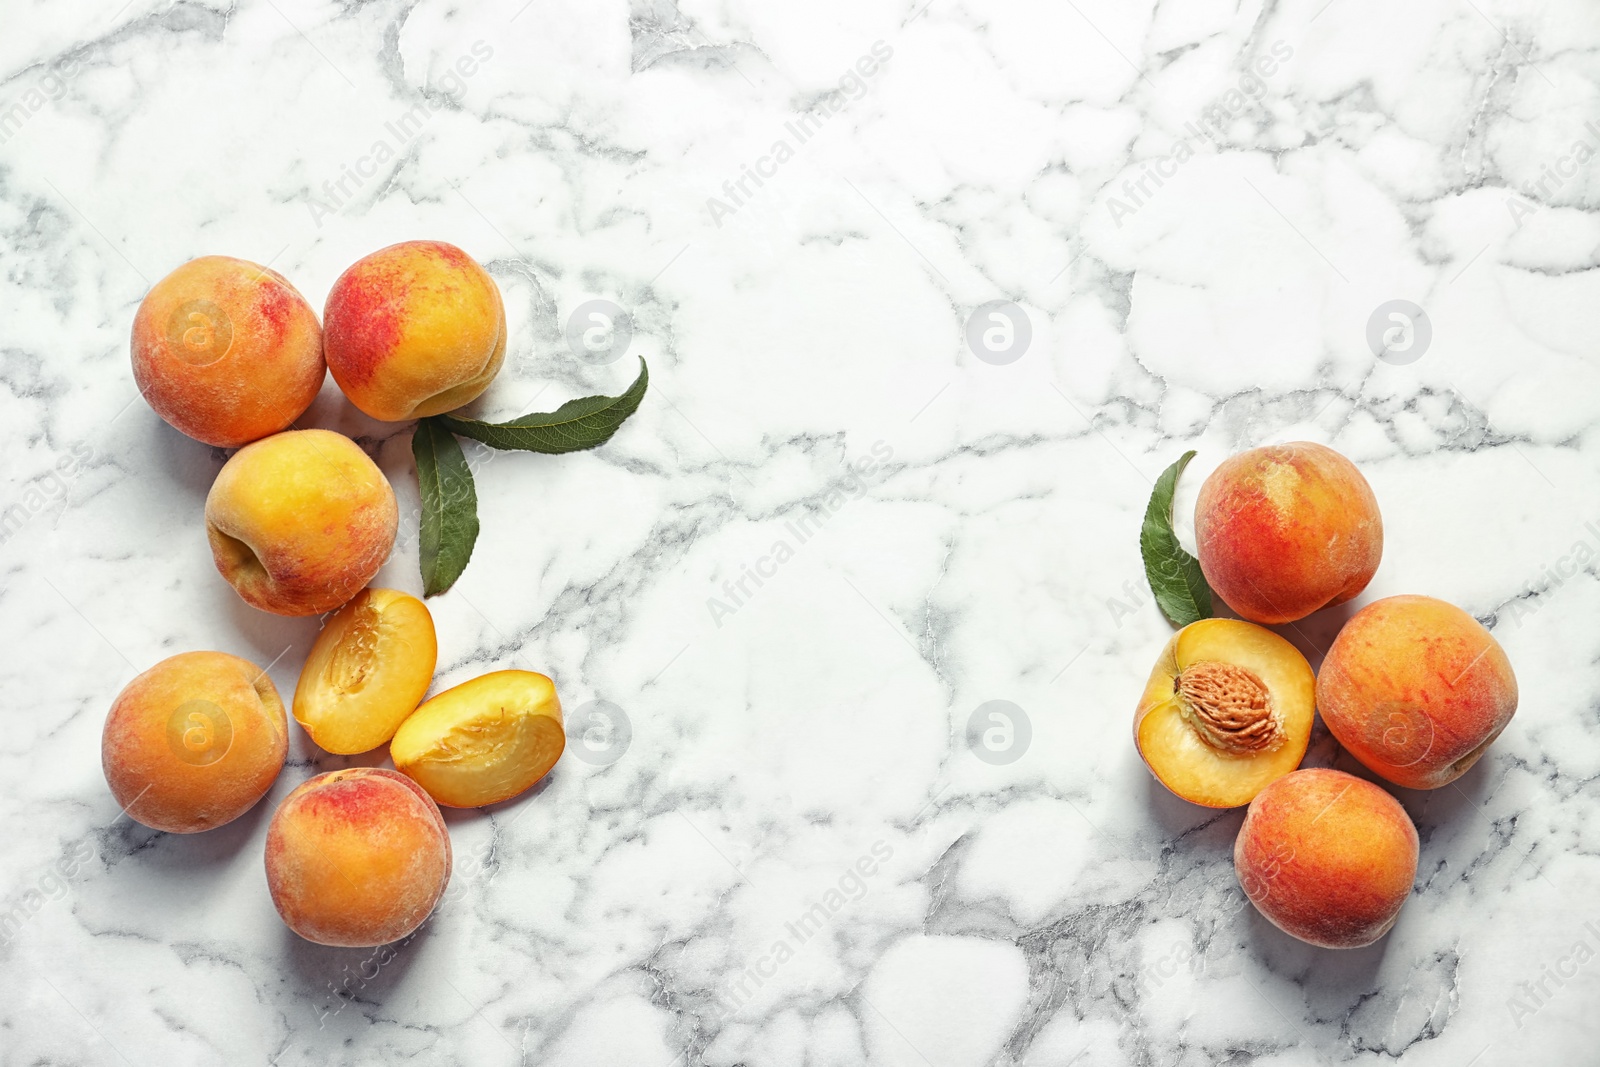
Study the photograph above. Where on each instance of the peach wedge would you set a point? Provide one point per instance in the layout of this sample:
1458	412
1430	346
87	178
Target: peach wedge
368	670
483	741
1227	710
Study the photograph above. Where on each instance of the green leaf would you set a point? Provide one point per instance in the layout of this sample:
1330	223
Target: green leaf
449	523
1174	575
578	424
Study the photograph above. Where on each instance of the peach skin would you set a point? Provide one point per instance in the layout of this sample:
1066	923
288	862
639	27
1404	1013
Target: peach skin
1287	529
357	858
415	329
300	521
483	741
1227	710
1416	690
227	351
1327	857
194	742
368	670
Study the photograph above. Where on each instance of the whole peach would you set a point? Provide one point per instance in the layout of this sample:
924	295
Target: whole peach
301	521
227	351
1416	689
1284	530
194	742
357	858
415	329
1327	857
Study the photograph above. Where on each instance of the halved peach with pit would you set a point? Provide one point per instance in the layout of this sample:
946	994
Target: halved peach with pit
483	741
1227	710
367	672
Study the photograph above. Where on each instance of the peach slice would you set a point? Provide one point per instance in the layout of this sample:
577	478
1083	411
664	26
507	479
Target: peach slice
1227	710
483	741
369	669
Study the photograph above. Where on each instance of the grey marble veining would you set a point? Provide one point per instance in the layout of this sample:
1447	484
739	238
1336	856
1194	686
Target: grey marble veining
838	528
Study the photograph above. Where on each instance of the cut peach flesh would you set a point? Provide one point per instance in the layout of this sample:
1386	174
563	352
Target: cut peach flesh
483	741
1177	753
368	671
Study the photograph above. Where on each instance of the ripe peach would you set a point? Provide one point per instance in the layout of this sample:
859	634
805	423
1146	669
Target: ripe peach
415	329
368	670
300	521
194	742
227	351
1327	857
1416	689
1287	529
483	741
357	858
1227	710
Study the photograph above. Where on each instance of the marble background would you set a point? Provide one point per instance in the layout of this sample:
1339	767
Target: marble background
1197	211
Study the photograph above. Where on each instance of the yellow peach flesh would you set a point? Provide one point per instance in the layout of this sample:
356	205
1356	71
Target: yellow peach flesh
483	741
1184	751
368	671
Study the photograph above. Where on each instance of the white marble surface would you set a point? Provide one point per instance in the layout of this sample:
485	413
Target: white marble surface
1057	909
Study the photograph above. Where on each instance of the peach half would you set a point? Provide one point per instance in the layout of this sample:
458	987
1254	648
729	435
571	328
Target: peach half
300	521
1327	857
1416	689
368	670
194	742
1227	710
357	858
1285	530
415	329
483	741
227	351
